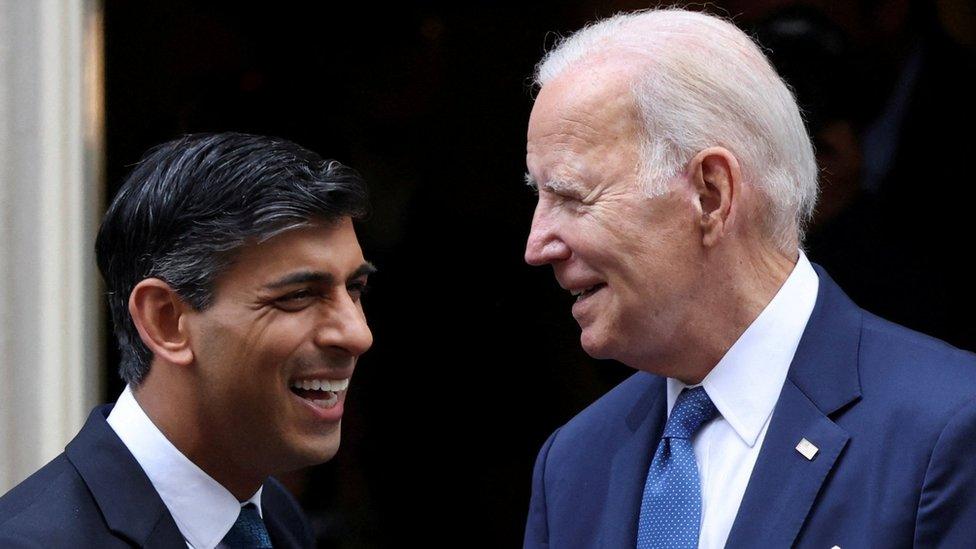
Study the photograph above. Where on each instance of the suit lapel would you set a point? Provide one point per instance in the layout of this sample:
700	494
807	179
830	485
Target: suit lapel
281	537
823	379
784	483
645	423
131	507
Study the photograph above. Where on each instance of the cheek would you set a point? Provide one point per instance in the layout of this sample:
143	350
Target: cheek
271	331
279	344
251	351
599	237
216	344
289	330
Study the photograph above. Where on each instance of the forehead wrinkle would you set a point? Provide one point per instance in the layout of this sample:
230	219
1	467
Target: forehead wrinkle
563	135
581	117
600	120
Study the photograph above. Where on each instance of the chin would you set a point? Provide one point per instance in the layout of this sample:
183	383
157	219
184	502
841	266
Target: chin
595	345
601	345
328	449
316	450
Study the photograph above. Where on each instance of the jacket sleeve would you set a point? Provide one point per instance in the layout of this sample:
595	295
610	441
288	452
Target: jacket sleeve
947	505
537	525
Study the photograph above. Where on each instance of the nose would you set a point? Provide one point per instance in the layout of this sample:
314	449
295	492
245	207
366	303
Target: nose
544	245
345	328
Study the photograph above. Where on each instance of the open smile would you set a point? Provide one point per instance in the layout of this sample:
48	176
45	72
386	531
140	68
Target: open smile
321	393
584	293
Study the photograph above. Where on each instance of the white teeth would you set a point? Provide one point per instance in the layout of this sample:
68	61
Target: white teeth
328	402
333	385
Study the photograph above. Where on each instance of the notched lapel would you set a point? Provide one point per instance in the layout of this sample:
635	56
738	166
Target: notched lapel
823	379
131	506
784	483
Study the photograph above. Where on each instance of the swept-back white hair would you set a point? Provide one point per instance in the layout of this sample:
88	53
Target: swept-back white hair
705	83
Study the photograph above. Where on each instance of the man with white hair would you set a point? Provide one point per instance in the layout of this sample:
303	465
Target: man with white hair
675	177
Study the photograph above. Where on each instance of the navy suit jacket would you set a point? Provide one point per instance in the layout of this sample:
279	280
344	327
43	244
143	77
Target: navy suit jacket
893	413
95	494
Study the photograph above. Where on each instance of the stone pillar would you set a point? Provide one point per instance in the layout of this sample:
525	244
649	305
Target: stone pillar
51	185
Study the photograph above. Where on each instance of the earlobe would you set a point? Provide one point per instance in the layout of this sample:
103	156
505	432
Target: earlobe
715	174
158	314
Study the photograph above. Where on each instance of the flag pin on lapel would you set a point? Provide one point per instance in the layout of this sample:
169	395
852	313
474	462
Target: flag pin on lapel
807	449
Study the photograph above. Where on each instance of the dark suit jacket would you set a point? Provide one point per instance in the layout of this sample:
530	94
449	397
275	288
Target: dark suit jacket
96	495
892	412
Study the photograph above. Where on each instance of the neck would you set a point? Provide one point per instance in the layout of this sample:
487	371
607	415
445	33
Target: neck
164	401
733	294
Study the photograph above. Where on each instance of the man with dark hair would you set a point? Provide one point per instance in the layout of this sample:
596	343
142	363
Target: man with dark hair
234	279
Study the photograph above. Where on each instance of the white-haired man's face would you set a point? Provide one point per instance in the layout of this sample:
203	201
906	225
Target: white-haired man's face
632	261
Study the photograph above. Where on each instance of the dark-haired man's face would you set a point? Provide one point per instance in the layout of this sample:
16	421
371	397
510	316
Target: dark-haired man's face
275	351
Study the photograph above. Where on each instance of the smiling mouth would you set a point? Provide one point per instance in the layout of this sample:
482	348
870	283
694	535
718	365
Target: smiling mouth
322	393
584	293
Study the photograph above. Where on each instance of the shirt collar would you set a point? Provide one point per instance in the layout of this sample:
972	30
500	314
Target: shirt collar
202	508
746	383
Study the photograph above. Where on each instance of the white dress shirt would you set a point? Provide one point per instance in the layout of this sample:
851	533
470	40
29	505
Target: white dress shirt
744	387
202	508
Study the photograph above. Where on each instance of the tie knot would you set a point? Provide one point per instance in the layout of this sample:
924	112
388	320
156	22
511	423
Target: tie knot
248	532
692	410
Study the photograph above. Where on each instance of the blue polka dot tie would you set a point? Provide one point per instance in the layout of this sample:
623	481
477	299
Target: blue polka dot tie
248	532
670	513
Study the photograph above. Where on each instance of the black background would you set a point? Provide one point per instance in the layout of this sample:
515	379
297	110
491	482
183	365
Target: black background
476	357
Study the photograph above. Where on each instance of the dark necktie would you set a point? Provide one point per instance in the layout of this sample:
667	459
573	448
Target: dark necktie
248	532
670	514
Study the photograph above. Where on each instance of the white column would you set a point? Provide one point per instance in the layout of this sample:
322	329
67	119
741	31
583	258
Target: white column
51	151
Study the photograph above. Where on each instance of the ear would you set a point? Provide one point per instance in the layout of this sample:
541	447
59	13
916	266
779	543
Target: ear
715	176
158	313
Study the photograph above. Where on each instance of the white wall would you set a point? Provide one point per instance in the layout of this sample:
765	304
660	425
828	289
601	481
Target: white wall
51	151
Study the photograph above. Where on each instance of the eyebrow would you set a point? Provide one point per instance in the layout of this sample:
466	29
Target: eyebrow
561	186
365	269
553	185
318	277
